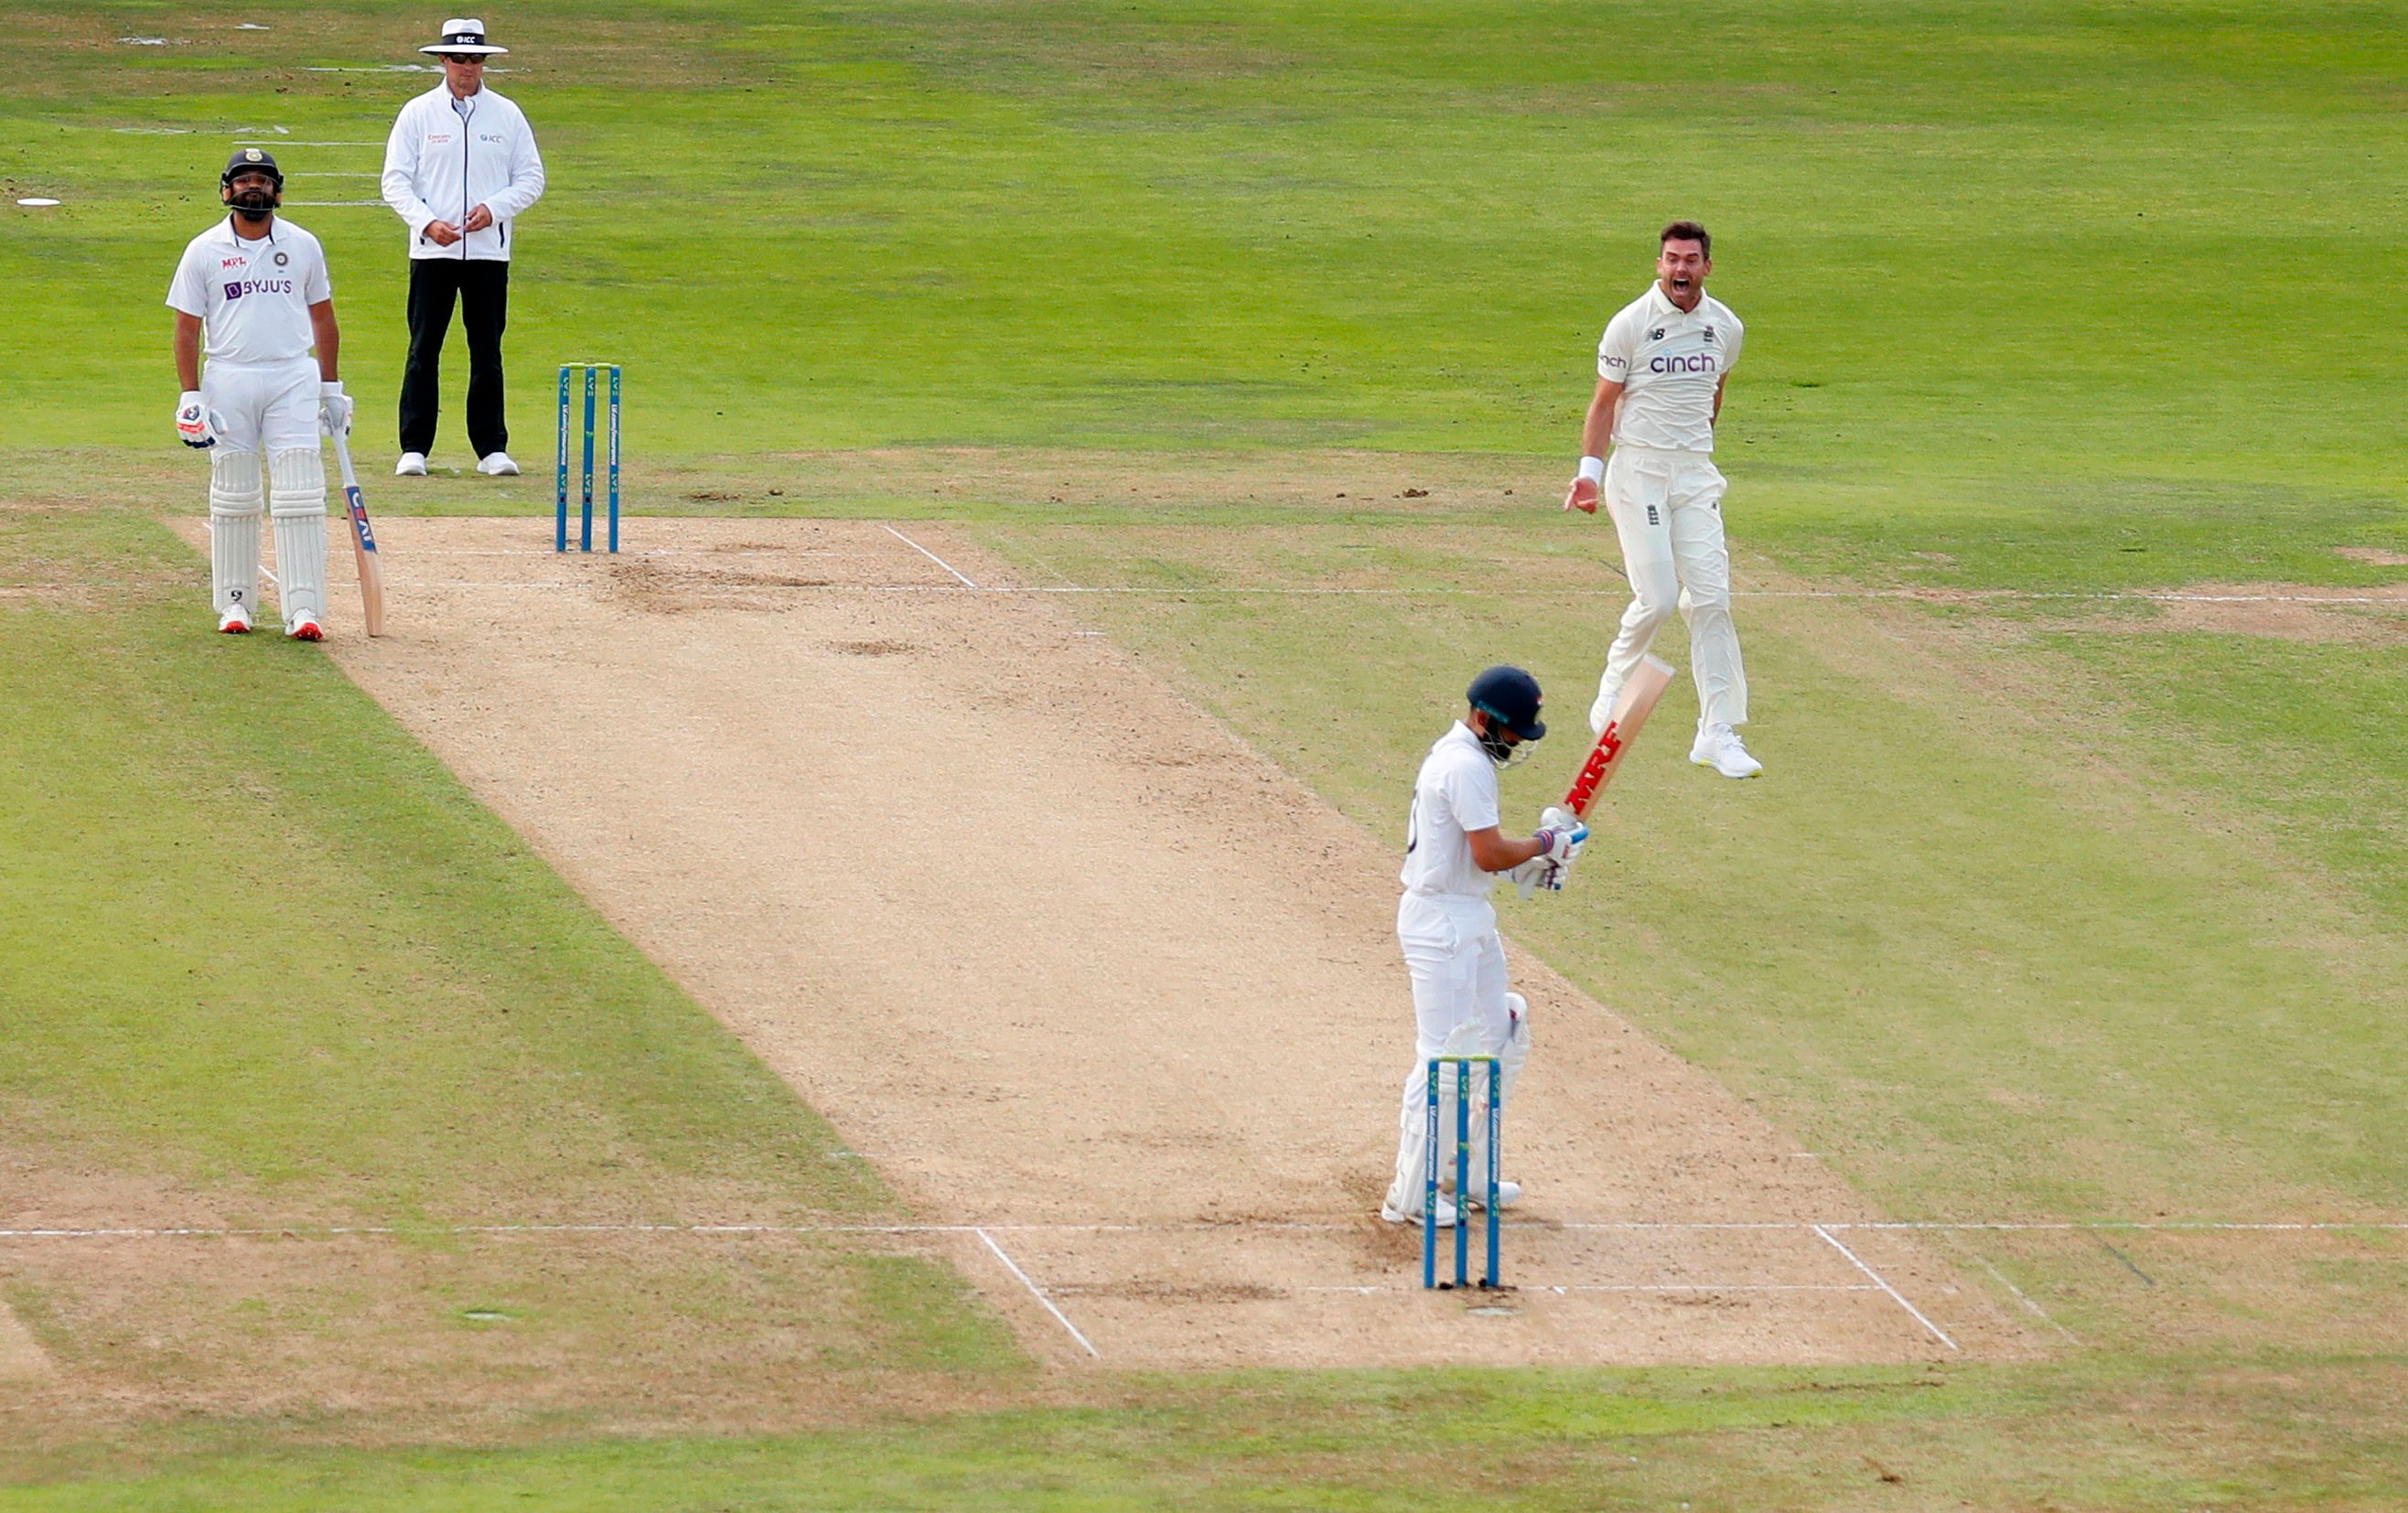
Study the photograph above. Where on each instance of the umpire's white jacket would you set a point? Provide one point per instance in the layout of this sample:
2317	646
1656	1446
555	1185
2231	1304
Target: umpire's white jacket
441	163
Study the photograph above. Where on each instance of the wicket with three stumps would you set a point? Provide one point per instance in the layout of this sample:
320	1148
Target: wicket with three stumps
585	533
1431	1165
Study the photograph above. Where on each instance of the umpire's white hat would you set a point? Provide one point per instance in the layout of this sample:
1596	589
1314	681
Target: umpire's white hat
464	34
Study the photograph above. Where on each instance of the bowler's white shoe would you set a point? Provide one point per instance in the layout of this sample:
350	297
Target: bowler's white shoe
1718	747
1507	1194
412	465
1411	1212
1602	710
236	621
497	464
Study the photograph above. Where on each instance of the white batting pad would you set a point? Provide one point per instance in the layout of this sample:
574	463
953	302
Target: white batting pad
297	498
235	504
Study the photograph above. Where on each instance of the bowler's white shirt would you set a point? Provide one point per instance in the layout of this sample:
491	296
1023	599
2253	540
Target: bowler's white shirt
252	297
1670	361
1455	795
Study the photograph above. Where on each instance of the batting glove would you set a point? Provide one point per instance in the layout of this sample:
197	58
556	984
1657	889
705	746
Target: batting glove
193	420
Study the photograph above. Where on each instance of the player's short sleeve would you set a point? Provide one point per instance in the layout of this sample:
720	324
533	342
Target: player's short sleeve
187	293
1617	349
1731	347
1472	799
318	287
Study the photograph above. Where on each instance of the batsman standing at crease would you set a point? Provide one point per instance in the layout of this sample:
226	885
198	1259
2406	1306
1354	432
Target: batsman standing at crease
460	167
252	294
1660	371
1454	852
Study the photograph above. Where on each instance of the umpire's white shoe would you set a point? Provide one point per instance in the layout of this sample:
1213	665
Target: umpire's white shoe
1602	710
1718	747
497	464
412	465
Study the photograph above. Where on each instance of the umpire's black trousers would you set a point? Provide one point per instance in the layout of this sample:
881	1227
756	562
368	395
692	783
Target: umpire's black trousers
482	287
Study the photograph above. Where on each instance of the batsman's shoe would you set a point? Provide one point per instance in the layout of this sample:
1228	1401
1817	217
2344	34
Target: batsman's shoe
1602	710
497	464
1718	747
1507	1194
236	621
1412	1214
305	628
412	465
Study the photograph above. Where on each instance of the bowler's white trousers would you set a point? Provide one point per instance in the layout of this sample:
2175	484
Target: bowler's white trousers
1666	508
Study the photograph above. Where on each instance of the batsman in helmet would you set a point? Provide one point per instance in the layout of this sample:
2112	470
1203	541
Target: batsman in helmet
1454	852
252	295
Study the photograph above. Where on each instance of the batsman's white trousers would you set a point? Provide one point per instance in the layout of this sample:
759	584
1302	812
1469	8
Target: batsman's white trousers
1666	508
262	407
1457	961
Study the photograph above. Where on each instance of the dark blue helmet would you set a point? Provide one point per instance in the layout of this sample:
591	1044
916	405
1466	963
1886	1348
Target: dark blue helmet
1510	696
251	160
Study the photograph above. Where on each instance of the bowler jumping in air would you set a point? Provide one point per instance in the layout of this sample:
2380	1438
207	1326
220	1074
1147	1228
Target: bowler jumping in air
1660	372
1454	852
252	292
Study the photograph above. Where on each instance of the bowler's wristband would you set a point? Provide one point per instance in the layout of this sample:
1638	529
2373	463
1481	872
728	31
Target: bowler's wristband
1593	469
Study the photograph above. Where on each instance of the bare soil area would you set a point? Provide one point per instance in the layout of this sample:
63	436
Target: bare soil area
1083	975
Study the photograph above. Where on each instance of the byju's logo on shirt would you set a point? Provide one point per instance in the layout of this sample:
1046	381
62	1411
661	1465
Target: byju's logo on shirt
238	287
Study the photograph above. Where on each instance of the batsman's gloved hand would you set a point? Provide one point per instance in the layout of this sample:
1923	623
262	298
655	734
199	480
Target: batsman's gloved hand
334	408
1533	875
1562	843
193	420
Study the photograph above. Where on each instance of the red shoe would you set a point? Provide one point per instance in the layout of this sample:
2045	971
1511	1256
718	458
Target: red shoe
304	629
234	621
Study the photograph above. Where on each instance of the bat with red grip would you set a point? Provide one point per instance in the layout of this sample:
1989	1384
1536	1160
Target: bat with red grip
1646	685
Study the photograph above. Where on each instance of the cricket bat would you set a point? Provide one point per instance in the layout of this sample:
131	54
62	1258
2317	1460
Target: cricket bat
363	547
1636	701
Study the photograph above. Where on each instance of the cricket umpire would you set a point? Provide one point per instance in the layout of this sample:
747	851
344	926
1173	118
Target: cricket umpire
460	167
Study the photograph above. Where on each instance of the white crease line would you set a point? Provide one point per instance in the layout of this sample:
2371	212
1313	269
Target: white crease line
332	205
931	556
1531	1227
1039	1293
1896	1297
698	554
2170	1225
1304	592
1560	1288
2023	1297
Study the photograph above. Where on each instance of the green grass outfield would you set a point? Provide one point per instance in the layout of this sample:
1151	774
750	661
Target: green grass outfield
2049	908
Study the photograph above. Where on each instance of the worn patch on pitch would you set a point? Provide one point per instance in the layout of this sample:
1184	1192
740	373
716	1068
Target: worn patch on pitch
20	1355
2361	616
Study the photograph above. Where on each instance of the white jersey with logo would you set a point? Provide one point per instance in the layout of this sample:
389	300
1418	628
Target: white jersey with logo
1455	795
445	155
252	297
1670	361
